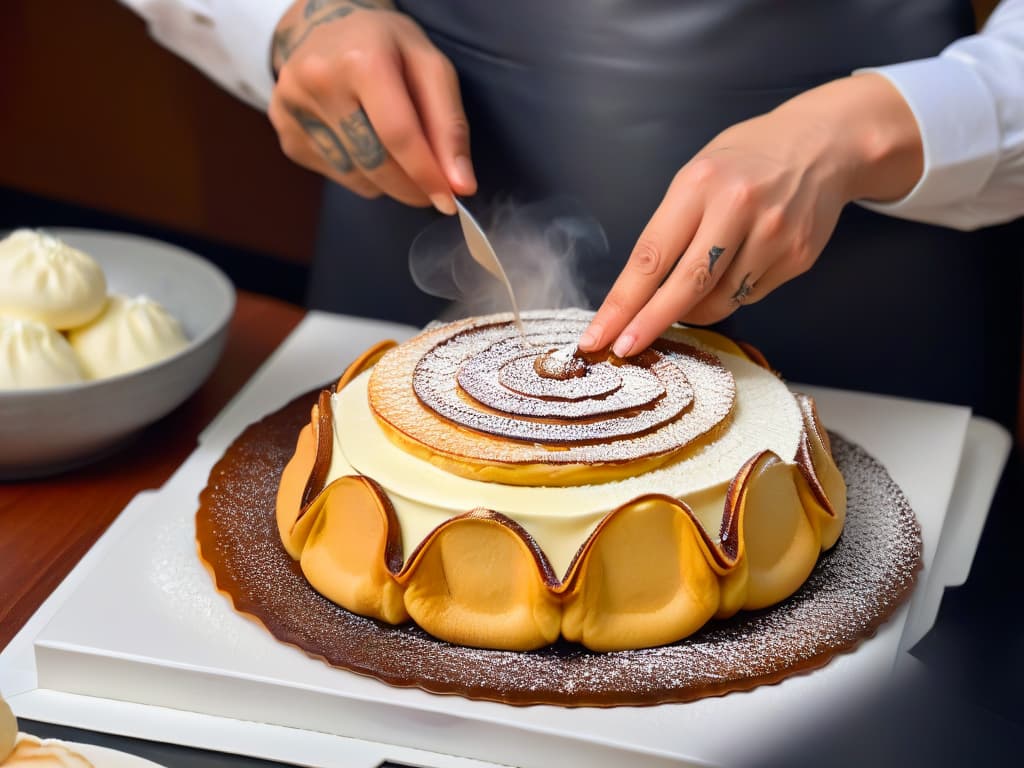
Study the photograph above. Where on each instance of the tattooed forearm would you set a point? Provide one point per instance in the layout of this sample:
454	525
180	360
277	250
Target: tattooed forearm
326	140
366	147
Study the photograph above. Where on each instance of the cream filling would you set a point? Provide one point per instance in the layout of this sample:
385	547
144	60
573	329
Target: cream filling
766	417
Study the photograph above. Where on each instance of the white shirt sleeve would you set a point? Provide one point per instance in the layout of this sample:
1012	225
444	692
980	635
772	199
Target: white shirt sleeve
969	106
228	40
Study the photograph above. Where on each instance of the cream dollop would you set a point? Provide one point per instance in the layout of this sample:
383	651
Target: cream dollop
33	355
130	333
44	279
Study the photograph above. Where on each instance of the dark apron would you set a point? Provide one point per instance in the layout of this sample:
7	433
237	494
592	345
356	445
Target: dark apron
604	100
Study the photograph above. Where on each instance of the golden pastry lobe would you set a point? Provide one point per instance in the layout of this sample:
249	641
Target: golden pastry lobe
638	567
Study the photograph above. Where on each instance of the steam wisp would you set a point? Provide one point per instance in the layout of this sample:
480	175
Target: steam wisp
538	245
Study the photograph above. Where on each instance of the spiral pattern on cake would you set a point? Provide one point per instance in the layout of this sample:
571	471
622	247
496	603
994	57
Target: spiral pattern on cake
481	392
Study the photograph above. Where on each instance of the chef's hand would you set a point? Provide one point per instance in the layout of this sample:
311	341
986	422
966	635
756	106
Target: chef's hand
364	98
755	207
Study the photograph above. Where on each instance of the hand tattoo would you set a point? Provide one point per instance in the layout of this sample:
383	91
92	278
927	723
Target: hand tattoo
316	13
282	47
366	147
326	140
313	7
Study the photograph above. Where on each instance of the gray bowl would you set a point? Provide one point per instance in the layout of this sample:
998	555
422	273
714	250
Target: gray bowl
45	431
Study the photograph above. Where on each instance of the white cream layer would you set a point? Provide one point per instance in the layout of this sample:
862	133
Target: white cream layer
766	417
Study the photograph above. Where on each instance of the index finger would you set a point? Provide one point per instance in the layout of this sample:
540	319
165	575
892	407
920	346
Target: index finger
664	238
390	109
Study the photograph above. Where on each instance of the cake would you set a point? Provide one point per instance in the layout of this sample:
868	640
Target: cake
506	492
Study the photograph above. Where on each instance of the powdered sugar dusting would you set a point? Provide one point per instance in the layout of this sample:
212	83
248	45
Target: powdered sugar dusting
520	375
453	368
853	589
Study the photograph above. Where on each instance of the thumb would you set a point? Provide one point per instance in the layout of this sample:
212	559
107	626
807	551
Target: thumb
434	87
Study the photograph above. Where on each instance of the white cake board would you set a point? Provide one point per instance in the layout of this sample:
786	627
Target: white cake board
136	641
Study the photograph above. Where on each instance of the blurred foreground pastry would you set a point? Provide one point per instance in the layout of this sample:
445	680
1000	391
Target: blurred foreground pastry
503	492
19	750
46	280
33	355
128	334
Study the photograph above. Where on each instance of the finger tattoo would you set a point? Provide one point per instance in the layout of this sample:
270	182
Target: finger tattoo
366	147
744	290
713	256
327	141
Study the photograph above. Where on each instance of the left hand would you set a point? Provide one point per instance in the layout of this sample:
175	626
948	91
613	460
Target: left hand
756	206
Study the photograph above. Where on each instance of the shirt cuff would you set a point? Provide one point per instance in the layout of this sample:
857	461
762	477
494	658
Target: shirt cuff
959	131
247	29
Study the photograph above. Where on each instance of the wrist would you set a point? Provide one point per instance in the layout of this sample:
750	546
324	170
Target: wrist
874	141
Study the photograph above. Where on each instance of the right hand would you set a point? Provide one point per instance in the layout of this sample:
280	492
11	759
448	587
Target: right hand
364	98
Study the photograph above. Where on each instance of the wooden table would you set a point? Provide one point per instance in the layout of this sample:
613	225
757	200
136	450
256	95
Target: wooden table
47	525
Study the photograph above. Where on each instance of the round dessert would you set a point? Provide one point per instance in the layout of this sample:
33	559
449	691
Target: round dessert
33	355
46	280
128	334
541	494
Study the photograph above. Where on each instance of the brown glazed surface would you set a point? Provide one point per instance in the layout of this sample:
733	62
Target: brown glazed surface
854	588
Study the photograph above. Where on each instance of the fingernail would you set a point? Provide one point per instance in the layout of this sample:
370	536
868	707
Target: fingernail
587	341
443	203
464	172
624	345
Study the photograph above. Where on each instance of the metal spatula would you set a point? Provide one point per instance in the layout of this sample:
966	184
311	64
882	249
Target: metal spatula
482	251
